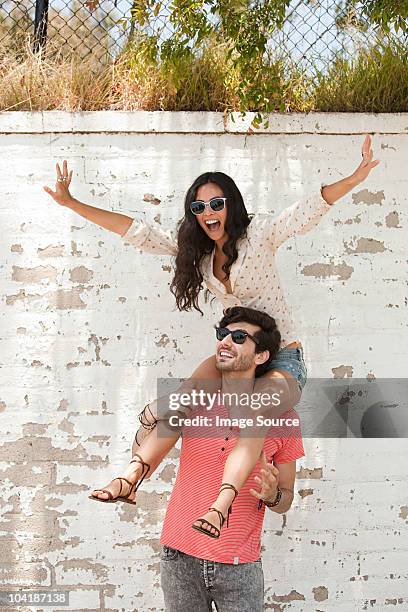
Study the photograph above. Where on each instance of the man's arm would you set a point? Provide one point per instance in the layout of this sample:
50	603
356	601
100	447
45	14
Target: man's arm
286	482
271	476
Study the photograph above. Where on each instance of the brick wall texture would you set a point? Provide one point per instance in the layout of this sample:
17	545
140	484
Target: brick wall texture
87	325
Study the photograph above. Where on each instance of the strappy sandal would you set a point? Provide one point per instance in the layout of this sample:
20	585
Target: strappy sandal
145	422
204	530
133	485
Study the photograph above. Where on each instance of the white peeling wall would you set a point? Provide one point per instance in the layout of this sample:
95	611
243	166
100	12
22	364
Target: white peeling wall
88	324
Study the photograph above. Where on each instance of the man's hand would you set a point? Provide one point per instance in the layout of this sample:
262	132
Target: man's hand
268	481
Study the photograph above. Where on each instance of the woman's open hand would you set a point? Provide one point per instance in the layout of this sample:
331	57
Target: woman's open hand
366	165
61	194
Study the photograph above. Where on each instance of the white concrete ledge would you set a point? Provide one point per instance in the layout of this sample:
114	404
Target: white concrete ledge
19	122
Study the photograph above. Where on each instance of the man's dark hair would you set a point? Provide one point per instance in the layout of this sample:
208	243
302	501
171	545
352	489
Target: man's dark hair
268	336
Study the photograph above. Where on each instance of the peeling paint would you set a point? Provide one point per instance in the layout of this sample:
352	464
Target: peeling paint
320	593
53	250
33	275
34	429
392	219
274	607
310	473
72	364
365	245
149	197
279	532
94	340
97	569
74	249
368	197
356	219
404	512
66	425
23	475
292	596
164	340
27	574
343	371
305	492
80	274
16	248
67	299
319	270
168	473
30	447
63	405
149	509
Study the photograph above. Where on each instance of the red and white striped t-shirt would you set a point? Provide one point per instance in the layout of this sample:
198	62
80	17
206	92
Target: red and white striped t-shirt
196	488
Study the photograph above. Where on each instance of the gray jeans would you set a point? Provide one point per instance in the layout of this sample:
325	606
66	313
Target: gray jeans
190	583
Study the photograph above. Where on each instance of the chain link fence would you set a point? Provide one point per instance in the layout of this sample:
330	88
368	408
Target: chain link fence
313	30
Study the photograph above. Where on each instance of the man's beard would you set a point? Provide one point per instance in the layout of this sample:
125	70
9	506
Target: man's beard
238	364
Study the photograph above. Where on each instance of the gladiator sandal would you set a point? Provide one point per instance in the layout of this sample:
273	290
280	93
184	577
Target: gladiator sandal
202	529
144	472
133	485
145	422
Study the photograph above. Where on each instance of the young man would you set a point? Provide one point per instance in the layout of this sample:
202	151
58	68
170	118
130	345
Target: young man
197	570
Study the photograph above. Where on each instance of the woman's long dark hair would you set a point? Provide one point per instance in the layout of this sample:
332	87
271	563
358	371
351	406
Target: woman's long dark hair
194	244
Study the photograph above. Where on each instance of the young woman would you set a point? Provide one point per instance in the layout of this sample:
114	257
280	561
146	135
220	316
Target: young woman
233	254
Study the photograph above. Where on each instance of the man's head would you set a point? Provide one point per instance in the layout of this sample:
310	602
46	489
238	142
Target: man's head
261	341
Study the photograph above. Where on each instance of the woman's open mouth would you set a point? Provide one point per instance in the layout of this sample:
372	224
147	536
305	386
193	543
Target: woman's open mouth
212	225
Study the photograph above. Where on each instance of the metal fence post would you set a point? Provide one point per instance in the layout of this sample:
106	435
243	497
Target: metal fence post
40	24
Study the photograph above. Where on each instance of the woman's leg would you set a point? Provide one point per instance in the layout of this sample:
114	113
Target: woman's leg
280	391
238	466
205	376
152	451
151	445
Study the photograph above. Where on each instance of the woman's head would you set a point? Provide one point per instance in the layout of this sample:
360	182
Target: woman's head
196	237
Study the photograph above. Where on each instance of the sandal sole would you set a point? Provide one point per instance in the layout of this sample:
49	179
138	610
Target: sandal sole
112	501
210	535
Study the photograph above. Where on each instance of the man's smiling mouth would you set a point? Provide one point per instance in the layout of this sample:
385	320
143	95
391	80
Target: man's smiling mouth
225	354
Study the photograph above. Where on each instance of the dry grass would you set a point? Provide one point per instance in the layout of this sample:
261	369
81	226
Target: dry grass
51	81
376	80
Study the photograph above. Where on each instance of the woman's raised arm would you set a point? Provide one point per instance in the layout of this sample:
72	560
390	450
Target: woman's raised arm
335	191
115	222
304	215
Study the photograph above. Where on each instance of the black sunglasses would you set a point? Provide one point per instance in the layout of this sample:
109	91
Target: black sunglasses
238	336
216	204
